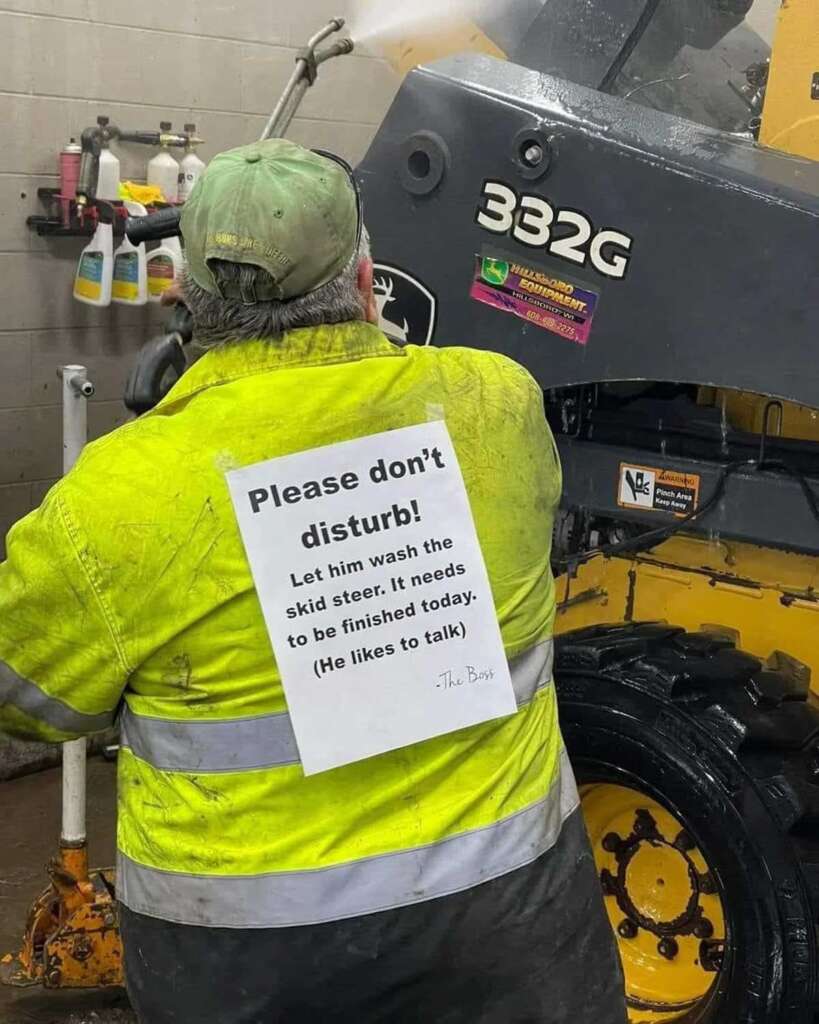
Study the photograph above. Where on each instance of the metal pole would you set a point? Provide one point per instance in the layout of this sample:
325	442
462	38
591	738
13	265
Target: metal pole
76	391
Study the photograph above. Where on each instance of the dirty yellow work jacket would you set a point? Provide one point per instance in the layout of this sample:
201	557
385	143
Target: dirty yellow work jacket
129	591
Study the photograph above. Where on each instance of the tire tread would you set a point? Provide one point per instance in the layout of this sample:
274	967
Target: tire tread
764	713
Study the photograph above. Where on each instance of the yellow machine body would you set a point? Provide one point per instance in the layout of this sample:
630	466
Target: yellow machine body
790	119
768	600
408	52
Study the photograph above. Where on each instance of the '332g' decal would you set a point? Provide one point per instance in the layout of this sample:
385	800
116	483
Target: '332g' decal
567	234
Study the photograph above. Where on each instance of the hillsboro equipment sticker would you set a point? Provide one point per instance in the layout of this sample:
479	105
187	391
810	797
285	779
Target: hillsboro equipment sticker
658	490
536	296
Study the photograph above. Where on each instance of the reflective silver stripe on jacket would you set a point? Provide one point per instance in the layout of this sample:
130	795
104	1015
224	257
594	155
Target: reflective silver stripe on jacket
287	898
237	745
268	741
27	697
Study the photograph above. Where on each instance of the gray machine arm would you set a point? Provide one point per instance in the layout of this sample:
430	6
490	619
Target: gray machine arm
711	279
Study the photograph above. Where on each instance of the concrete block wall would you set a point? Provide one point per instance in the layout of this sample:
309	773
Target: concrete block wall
219	63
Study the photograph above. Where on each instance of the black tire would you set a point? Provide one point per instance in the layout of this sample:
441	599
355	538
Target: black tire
731	748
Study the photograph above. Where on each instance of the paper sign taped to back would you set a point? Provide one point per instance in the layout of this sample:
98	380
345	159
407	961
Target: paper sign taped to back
374	592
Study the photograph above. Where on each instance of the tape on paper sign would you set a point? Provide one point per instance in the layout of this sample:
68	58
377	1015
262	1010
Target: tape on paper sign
555	303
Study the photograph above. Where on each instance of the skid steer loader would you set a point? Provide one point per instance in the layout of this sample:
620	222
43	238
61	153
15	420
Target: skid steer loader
638	226
659	278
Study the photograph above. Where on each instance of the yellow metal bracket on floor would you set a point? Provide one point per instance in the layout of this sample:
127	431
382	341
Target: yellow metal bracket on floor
71	938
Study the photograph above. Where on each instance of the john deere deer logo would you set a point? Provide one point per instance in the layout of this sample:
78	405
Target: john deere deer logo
383	296
494	271
407	309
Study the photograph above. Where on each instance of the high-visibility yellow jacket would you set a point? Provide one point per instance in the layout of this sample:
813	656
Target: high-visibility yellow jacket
129	588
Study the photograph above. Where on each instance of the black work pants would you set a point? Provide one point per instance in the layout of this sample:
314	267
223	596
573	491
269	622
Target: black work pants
532	947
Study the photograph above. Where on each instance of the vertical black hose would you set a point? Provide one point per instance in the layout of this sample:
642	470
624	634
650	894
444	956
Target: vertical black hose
630	45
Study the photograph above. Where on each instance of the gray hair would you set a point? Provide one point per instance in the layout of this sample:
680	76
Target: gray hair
217	321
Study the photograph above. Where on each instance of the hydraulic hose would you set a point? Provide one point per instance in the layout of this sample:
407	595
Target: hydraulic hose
630	45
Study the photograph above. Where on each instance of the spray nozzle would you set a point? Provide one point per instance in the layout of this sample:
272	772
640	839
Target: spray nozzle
308	59
338	49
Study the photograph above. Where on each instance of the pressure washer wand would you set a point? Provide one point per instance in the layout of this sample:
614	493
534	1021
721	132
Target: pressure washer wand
165	353
165	223
304	75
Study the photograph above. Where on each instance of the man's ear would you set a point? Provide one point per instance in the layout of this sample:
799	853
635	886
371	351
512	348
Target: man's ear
365	290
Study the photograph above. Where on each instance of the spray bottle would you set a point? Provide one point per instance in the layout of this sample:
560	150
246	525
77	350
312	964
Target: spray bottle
70	157
130	281
95	270
164	267
163	169
190	167
108	166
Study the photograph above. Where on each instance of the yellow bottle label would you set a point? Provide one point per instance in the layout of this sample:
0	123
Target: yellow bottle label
126	277
160	274
88	282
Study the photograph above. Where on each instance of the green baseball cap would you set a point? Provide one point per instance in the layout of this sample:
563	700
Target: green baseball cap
276	205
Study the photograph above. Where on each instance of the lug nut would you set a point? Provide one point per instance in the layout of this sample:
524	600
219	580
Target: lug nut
627	929
612	842
684	842
668	948
707	884
608	883
711	954
703	929
644	824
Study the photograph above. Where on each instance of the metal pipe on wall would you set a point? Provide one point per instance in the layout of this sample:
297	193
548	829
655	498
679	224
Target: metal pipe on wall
76	391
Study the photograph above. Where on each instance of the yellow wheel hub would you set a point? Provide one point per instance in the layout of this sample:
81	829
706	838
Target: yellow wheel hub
662	901
658	881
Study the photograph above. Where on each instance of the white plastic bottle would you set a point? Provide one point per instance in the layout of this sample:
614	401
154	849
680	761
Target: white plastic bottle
164	267
130	281
95	271
190	167
163	169
108	168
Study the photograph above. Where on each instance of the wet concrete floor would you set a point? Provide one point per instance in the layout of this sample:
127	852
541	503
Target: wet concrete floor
29	834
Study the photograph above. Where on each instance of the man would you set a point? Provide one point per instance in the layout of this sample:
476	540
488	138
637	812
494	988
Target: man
450	881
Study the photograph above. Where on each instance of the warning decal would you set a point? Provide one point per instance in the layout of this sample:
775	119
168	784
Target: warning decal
537	296
658	490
